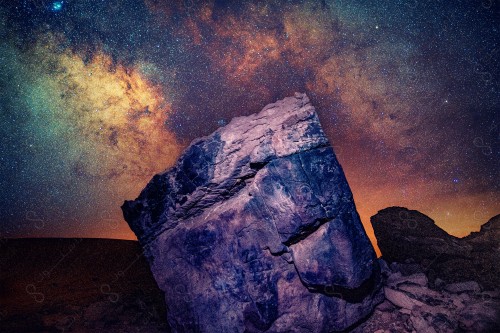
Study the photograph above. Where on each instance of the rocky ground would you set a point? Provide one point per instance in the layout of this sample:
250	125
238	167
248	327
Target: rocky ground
415	304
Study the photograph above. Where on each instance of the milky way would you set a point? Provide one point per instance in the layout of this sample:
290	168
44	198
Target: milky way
98	96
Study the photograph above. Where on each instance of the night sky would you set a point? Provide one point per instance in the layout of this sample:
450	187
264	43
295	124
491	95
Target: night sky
98	96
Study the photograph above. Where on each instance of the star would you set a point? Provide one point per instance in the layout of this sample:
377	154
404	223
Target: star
57	6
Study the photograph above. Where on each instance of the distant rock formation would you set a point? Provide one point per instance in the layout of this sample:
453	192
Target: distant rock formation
255	229
488	236
404	235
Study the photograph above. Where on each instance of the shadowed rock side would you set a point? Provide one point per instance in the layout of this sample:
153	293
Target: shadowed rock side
254	229
404	235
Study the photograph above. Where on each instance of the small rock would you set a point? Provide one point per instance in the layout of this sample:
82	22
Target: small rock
464	297
401	299
480	318
461	287
385	306
405	311
386	317
419	291
417	278
443	323
394	276
435	310
421	325
458	303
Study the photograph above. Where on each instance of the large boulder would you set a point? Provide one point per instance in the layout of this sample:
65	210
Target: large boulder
255	229
404	235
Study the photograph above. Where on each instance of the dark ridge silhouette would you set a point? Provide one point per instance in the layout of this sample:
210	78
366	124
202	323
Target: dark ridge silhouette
404	234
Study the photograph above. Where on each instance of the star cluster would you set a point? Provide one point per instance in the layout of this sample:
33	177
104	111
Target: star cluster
98	96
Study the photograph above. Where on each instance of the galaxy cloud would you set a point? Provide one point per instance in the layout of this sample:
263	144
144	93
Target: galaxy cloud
98	96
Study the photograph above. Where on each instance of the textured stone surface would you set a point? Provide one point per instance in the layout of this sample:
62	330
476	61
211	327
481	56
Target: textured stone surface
254	229
404	235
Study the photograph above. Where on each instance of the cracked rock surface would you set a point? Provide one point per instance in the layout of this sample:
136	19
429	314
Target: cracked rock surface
255	229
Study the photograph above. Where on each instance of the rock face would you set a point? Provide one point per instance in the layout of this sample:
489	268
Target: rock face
404	235
254	229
